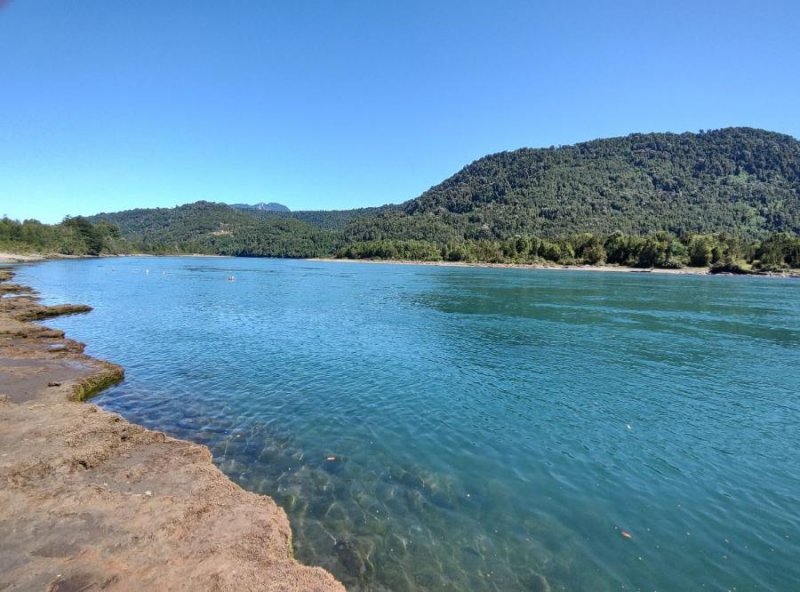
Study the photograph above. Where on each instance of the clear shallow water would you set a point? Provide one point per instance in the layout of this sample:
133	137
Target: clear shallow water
493	429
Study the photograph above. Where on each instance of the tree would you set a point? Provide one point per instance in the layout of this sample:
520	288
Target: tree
700	251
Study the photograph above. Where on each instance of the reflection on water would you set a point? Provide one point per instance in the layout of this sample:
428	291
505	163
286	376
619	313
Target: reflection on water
474	429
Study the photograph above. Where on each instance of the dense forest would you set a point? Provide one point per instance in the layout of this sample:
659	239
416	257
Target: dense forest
738	180
727	198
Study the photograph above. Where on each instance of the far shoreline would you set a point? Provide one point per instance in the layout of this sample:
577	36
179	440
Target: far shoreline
20	258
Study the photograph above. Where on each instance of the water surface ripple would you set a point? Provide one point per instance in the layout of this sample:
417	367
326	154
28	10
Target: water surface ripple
434	428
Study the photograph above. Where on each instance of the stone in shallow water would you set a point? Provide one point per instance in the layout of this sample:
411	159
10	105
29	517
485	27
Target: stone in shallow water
536	583
350	557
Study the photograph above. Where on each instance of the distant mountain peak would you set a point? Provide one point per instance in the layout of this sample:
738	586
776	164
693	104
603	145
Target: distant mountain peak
263	207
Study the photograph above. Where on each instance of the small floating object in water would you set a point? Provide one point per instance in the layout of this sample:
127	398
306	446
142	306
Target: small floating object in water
627	425
330	458
231	278
626	535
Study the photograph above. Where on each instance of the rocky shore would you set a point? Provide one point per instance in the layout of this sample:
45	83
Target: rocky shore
89	501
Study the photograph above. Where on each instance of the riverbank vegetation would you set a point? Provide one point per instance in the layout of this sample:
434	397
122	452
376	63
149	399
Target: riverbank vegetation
719	252
73	236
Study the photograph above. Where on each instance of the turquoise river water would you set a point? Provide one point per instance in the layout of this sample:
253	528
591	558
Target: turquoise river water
435	428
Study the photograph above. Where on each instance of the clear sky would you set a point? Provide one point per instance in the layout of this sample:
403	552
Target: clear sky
110	105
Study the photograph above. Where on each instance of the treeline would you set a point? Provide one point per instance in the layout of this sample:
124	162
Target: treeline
73	236
721	252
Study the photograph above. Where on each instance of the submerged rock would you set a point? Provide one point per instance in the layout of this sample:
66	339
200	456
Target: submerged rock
350	558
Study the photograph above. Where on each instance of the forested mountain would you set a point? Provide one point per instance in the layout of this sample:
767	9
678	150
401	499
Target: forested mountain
205	227
216	228
737	180
718	197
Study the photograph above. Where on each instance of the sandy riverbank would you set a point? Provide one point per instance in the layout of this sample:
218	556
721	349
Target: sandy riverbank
795	274
602	268
20	257
89	501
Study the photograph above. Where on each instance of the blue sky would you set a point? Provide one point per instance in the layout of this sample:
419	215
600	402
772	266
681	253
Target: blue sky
336	104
